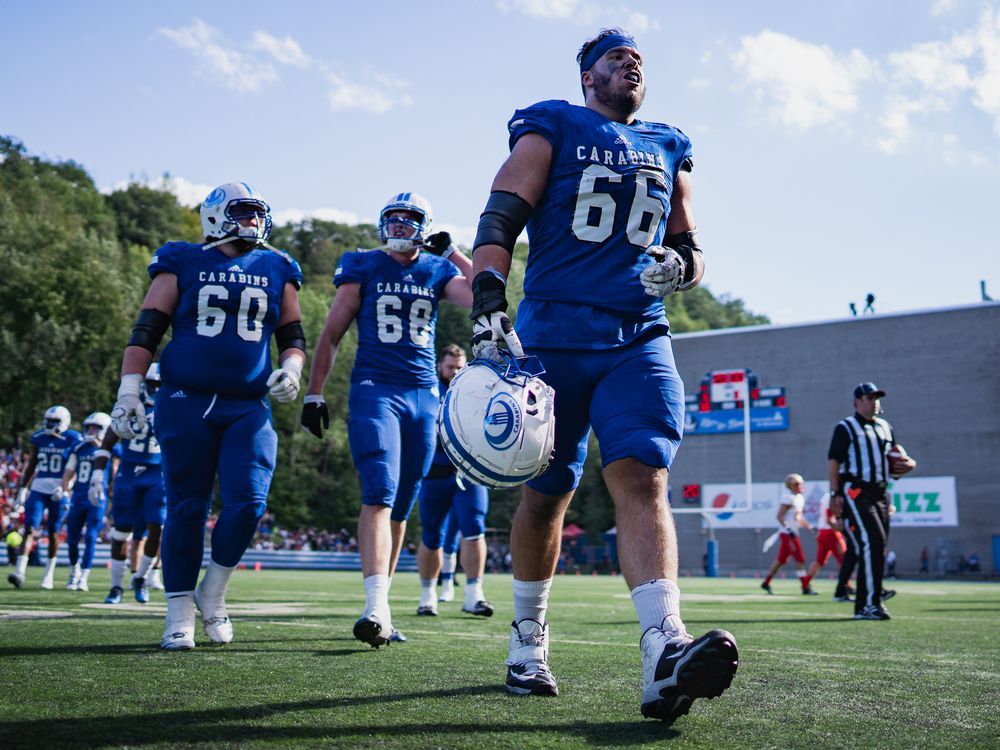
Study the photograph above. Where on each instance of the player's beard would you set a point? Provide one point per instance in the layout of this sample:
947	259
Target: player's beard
625	102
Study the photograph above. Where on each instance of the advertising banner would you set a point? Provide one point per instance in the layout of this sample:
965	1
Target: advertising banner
919	501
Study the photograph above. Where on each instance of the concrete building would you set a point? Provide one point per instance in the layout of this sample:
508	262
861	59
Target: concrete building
941	372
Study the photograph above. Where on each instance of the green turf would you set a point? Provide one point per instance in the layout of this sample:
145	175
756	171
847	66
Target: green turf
85	675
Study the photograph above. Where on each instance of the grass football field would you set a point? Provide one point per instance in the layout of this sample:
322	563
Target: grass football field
78	673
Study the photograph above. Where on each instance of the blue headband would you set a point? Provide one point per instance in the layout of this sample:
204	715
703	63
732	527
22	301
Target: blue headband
596	52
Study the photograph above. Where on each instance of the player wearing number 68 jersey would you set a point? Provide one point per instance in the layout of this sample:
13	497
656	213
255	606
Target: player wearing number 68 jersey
224	300
393	402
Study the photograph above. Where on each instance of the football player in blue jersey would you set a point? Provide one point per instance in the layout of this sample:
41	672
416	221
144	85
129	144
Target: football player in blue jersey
606	199
393	401
140	502
443	495
43	476
81	475
223	300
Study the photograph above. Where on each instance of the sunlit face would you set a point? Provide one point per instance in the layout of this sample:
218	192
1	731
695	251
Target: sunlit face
867	406
449	366
617	80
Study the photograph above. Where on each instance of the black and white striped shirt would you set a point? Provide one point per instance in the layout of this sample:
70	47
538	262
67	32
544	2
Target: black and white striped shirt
861	447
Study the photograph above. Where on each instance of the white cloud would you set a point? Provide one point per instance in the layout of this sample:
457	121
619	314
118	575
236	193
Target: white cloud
218	60
940	7
699	84
285	51
295	215
987	83
806	84
582	13
188	193
345	94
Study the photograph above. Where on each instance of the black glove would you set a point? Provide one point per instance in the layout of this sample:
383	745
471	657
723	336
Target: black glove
438	244
315	416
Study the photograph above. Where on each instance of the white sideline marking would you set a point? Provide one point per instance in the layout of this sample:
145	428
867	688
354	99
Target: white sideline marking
33	614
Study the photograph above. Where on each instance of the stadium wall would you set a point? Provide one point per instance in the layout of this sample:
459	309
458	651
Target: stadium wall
941	372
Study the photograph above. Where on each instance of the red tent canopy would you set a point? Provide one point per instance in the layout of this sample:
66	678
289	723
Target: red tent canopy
572	531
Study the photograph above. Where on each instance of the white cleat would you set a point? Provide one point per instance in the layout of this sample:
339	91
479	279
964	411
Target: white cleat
73	584
447	591
83	585
47	583
218	626
179	632
153	580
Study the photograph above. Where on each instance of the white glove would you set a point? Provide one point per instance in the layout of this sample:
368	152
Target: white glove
22	496
666	275
128	417
489	331
95	492
283	384
58	494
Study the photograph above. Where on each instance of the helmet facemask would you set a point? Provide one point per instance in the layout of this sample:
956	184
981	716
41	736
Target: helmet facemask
419	222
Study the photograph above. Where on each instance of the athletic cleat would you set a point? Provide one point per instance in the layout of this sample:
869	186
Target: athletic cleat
369	629
482	608
114	596
527	660
842	598
873	613
178	635
767	587
154	580
47	583
140	589
397	637
427	610
83	585
810	591
218	626
16	580
73	584
887	594
676	671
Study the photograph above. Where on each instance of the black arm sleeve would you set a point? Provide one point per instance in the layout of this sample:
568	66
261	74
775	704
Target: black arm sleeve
149	329
290	336
503	220
839	444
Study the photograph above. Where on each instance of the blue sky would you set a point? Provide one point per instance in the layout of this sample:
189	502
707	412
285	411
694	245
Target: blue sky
840	148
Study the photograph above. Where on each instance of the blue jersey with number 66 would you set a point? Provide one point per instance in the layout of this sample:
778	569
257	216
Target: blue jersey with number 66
227	310
606	200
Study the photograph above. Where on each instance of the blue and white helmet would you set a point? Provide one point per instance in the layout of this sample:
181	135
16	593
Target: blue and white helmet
421	228
100	420
226	205
56	419
497	422
151	384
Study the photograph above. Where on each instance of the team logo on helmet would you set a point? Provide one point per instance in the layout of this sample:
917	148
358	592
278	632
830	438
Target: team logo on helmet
502	423
215	197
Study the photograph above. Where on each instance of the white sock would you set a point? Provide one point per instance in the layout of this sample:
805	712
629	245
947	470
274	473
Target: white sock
212	590
180	609
155	577
474	591
449	563
51	567
144	565
377	597
531	600
117	572
658	604
428	598
74	571
84	575
22	564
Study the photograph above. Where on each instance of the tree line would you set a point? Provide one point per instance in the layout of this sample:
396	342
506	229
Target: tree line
74	273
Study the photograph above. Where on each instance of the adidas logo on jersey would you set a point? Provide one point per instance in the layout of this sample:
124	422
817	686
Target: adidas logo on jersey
623	140
235	268
409	277
178	394
367	382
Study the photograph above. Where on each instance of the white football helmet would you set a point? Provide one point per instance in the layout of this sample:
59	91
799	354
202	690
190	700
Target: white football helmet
497	422
226	205
421	229
100	420
149	387
56	419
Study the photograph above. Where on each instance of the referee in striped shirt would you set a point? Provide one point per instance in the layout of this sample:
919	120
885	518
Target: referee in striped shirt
859	473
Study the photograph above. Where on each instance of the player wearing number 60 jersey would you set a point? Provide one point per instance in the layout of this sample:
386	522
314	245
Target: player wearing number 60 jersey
393	402
224	300
606	199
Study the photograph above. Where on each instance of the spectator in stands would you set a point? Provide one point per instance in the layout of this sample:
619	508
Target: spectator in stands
925	561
